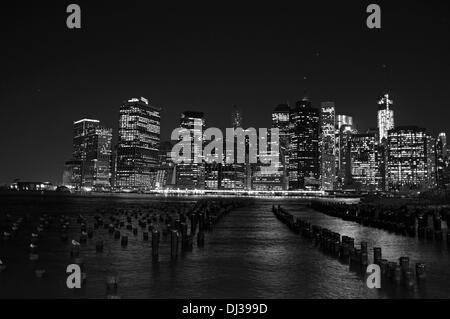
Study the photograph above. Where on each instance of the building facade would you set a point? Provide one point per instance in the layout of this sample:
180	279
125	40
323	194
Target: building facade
327	146
280	120
236	172
72	175
344	129
304	165
385	116
192	175
407	159
440	160
165	174
97	164
364	171
138	145
90	166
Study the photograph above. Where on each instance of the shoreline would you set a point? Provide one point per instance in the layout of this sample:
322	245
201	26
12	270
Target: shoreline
371	200
173	194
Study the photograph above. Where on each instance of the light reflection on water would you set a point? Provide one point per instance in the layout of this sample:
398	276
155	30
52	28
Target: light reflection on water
250	254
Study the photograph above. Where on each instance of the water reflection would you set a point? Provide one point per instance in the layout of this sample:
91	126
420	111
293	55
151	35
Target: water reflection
250	254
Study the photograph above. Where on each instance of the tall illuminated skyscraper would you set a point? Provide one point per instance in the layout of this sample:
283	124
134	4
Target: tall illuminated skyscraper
237	119
280	120
385	116
432	162
344	129
81	129
327	145
97	172
236	175
138	145
440	159
304	167
363	163
165	175
192	175
90	166
273	179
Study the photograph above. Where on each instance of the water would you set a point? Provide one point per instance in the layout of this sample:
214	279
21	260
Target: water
250	254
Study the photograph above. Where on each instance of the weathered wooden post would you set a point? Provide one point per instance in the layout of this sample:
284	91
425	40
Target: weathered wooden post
377	256
155	245
200	239
184	234
124	241
174	244
99	246
420	271
404	264
193	223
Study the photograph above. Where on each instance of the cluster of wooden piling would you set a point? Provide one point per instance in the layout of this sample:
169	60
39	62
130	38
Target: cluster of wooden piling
343	248
419	222
179	223
10	229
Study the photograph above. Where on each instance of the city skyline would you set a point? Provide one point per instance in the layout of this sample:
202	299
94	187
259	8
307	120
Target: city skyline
225	157
319	108
208	60
315	149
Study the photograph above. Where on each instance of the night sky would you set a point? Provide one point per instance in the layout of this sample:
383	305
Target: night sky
208	58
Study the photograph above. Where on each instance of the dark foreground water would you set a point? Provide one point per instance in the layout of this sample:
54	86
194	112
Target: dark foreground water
250	254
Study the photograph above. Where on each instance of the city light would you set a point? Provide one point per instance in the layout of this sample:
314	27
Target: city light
314	151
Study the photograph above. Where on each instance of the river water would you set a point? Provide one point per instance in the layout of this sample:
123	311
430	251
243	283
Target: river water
250	254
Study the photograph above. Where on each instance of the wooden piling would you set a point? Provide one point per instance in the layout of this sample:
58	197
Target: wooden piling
99	246
420	271
174	244
377	256
200	239
155	245
124	241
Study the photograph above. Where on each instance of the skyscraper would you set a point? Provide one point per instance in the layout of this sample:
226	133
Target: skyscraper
192	175
90	165
440	159
213	175
265	179
432	162
343	120
237	119
327	145
363	162
344	129
236	175
385	116
304	167
407	158
81	129
138	144
97	167
166	167
280	120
